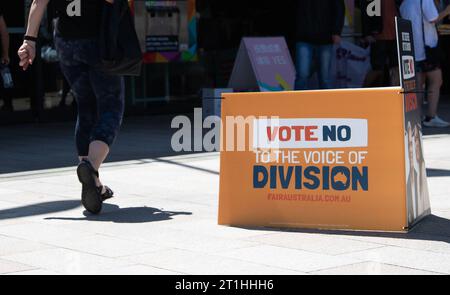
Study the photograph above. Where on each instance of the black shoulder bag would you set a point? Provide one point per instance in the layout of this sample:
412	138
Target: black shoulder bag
433	54
120	51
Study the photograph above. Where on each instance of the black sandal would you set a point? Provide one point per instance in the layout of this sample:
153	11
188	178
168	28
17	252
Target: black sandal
108	194
91	197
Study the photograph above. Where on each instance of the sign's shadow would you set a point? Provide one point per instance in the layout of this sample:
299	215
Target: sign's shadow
431	228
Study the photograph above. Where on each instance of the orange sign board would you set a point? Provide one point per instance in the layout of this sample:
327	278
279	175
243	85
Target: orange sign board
329	159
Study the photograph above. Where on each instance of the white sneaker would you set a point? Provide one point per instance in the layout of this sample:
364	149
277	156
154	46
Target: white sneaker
436	122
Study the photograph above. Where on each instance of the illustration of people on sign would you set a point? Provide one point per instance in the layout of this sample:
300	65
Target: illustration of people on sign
424	202
412	181
417	188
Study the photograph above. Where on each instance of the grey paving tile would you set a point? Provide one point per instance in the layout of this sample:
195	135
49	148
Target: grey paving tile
372	268
444	212
422	260
66	261
192	263
439	186
34	198
440	202
210	227
298	260
6	191
27	211
415	240
7	266
10	246
179	239
49	188
317	243
139	270
44	233
106	246
5	205
35	272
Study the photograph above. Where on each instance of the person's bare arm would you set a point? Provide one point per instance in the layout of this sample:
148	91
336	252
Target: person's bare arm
37	10
4	58
27	51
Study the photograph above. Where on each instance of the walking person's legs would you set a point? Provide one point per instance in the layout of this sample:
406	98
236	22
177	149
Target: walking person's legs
421	80
100	100
77	74
109	105
78	77
434	84
325	53
431	80
304	57
110	99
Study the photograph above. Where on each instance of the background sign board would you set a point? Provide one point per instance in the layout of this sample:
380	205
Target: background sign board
418	199
263	64
167	30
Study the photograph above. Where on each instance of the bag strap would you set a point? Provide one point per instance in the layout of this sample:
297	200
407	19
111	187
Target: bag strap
423	26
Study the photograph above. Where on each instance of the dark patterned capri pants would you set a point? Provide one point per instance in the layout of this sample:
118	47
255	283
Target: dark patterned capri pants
100	97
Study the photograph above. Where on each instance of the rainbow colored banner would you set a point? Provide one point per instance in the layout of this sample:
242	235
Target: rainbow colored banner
183	44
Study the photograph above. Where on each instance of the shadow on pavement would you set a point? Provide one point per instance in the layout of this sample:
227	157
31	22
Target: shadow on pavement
32	147
112	213
432	228
187	166
438	173
436	131
39	209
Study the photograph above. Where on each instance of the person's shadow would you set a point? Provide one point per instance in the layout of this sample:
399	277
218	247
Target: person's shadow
110	213
113	213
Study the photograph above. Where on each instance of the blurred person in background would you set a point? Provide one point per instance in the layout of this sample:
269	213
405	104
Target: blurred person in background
424	16
319	26
380	33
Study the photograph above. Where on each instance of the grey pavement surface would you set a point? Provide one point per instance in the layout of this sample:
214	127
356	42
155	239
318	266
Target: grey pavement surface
164	218
26	147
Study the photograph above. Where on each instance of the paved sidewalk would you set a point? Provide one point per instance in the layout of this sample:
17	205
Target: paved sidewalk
164	221
51	145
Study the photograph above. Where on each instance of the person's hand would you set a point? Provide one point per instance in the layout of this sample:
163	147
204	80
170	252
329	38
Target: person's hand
27	53
110	1
5	60
336	39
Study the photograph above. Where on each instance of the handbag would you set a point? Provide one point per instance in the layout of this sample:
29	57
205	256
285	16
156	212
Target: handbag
433	54
120	51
